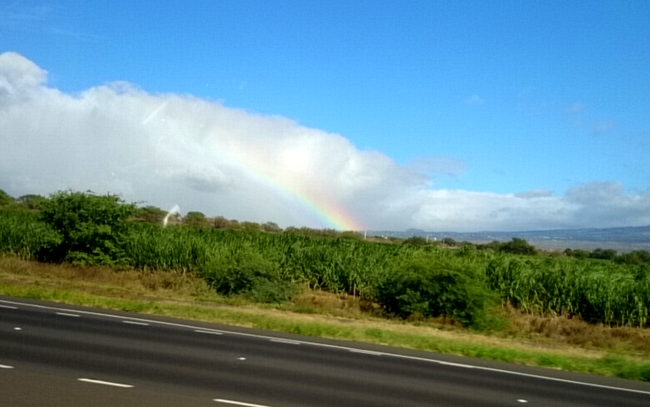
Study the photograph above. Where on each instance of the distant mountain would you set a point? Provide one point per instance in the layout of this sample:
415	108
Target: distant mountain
624	238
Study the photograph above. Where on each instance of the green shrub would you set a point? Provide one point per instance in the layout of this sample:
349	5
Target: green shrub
433	286
243	271
603	254
6	199
92	227
518	246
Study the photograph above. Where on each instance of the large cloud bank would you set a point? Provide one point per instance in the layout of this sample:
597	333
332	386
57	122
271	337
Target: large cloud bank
174	149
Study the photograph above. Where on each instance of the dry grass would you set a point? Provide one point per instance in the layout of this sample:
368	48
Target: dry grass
320	302
561	330
104	280
557	335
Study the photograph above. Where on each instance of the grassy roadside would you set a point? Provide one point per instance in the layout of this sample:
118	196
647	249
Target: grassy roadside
314	314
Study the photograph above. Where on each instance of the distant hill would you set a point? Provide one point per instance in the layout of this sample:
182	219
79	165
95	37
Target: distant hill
622	239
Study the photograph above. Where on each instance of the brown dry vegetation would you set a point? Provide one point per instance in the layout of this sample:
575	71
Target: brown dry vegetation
103	280
561	330
546	333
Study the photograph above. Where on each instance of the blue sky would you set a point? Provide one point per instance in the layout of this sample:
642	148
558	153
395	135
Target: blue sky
503	97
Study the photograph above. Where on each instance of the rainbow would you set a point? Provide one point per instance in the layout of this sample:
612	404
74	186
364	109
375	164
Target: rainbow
330	214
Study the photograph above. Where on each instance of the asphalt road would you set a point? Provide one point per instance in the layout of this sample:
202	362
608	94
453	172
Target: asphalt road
53	355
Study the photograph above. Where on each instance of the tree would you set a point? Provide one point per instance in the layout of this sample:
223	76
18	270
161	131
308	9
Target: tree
195	219
351	234
5	198
415	241
578	253
603	254
92	227
31	201
450	242
151	214
220	222
518	246
250	226
635	257
271	227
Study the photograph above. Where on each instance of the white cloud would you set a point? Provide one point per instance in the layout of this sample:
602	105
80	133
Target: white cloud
170	149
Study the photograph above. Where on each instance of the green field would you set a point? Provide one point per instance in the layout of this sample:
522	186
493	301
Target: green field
404	278
501	301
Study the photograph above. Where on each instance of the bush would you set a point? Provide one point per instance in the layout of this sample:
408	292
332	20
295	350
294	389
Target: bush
416	241
518	246
92	228
246	272
603	254
195	219
5	198
635	257
578	253
150	214
432	286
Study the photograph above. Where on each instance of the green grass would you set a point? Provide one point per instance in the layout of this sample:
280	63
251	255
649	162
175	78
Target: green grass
595	290
393	335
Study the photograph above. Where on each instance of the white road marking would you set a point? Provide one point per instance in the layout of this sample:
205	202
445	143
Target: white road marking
8	307
238	403
17	328
324	345
522	401
289	341
65	314
6	367
136	323
367	352
242	358
105	383
208	332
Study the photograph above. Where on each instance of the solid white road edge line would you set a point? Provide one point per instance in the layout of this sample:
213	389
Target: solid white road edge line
65	314
238	403
105	383
8	307
6	367
289	341
136	323
201	331
440	362
366	352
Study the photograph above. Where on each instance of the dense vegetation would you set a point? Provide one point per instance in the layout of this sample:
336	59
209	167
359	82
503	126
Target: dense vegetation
414	278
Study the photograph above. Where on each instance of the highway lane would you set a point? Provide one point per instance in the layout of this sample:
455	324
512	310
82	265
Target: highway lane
127	359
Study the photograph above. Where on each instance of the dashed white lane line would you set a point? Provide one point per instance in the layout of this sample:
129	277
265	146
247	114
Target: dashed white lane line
105	383
241	359
18	328
238	403
8	307
66	314
135	323
522	401
323	345
289	341
208	332
6	367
